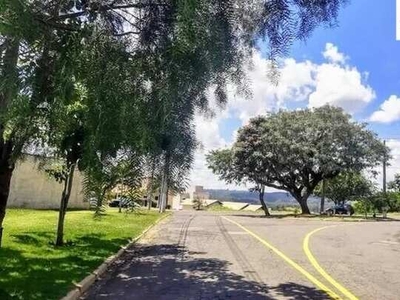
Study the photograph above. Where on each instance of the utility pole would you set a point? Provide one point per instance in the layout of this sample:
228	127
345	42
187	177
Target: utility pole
322	208
385	208
384	172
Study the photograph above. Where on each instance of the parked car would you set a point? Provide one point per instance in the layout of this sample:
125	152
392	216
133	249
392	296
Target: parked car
340	209
116	202
125	203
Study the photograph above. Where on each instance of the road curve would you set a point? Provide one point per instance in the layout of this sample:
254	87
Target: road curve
201	255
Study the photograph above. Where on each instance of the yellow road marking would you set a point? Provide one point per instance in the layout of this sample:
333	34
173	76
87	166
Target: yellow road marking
317	266
296	266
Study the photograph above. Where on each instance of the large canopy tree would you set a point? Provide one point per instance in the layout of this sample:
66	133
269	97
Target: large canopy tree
174	51
295	150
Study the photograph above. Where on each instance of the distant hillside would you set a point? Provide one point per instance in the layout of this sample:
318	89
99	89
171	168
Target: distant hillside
273	198
246	196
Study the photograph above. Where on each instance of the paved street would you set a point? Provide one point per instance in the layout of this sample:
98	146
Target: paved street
200	255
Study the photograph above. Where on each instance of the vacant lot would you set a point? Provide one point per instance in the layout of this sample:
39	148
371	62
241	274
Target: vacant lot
32	268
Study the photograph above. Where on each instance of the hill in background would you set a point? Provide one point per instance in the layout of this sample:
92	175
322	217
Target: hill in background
273	199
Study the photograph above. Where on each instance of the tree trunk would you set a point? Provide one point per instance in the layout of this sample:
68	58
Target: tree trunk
100	200
166	197
164	185
304	206
264	206
162	194
149	201
5	179
64	205
9	74
150	187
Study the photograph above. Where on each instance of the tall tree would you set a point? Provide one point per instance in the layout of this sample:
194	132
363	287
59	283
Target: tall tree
176	50
221	163
295	150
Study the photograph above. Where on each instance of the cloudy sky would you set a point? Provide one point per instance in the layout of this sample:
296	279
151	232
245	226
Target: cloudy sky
355	66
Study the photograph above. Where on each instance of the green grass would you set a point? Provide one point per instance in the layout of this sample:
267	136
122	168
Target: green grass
32	268
218	208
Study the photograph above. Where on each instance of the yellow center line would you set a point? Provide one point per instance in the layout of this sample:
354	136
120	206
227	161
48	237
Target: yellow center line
318	267
296	266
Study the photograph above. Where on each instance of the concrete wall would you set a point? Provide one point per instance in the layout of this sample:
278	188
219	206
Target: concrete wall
32	188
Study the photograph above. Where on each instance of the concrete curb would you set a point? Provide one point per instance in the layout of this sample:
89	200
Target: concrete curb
85	284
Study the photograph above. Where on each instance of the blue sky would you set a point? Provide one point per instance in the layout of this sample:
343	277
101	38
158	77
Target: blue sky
355	65
367	34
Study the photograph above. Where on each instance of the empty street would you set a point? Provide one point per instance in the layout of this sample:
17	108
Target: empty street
203	255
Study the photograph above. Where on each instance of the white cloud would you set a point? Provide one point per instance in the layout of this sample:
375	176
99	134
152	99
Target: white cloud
340	86
389	111
334	82
207	132
296	81
332	54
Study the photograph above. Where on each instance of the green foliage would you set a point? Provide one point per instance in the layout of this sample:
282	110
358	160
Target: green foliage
87	79
295	150
124	172
346	186
378	202
122	62
198	204
395	184
221	163
56	170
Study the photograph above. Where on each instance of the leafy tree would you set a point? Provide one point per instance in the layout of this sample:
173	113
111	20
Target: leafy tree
377	202
346	186
124	171
173	52
391	201
295	150
395	184
221	163
261	191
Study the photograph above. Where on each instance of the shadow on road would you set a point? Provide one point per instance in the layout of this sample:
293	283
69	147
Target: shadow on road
169	272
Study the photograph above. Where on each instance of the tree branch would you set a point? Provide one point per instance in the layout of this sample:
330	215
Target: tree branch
56	25
126	33
107	7
275	186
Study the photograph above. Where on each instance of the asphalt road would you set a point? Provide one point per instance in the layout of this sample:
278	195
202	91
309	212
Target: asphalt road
201	255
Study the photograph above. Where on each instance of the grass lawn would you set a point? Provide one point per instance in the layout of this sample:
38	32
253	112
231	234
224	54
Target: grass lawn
32	268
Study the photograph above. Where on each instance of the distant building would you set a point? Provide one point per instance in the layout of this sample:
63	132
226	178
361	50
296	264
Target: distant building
200	193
